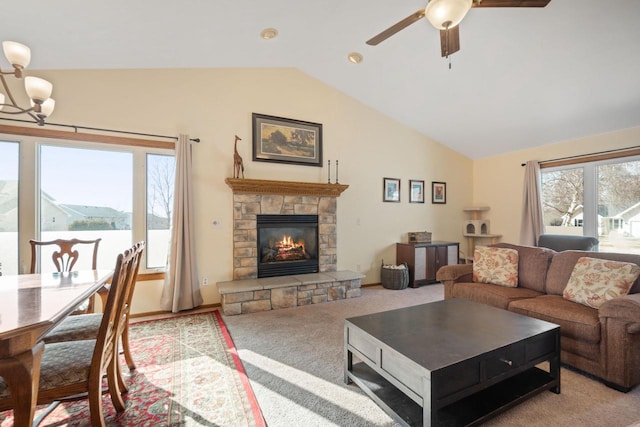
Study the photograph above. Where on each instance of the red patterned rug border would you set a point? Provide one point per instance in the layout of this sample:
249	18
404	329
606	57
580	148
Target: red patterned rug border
257	413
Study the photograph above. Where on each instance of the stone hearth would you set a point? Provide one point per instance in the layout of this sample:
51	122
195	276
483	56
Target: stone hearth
273	293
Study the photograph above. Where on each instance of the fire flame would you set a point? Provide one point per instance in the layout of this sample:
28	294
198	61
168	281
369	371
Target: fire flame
286	249
287	243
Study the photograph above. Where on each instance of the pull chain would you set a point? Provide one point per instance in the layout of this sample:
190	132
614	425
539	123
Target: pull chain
446	40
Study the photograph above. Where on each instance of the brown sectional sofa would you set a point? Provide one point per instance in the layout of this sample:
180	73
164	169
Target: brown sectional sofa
603	342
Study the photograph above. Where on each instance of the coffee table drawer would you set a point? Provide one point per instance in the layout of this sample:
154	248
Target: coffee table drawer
504	360
364	344
487	368
408	373
464	375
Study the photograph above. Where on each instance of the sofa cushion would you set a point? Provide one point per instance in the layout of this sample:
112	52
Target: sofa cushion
594	281
576	320
495	265
563	262
496	296
533	263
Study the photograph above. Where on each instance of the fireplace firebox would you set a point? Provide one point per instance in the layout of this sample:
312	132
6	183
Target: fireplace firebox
287	244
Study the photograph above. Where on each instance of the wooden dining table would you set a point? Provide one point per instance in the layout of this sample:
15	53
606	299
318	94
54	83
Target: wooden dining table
30	306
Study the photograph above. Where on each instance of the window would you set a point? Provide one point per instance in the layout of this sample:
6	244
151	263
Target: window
600	199
160	178
86	194
562	200
9	158
84	190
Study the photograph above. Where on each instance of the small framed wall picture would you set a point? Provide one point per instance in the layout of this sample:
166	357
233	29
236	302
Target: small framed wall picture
416	191
439	192
391	190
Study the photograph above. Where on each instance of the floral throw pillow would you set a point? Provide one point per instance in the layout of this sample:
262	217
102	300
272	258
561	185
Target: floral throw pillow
594	281
498	266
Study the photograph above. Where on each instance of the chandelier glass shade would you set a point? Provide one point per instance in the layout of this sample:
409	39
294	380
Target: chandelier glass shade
38	90
445	14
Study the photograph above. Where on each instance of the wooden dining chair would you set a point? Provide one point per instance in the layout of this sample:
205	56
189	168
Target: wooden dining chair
86	326
64	258
75	368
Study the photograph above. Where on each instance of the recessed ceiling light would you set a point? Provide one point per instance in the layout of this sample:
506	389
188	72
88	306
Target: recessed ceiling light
268	33
355	57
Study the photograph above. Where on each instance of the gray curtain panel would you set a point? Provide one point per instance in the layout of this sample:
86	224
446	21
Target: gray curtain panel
532	224
181	285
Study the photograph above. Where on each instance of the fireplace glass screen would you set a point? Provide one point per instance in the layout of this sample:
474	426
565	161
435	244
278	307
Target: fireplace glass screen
287	244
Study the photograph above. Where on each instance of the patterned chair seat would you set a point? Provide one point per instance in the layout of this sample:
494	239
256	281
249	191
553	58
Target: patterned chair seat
62	364
73	328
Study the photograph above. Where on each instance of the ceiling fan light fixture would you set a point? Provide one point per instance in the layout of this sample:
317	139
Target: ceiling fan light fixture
445	14
269	33
355	57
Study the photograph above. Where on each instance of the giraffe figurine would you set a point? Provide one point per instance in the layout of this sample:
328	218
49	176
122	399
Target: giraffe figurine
238	166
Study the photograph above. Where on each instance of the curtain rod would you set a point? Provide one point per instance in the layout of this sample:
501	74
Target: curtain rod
75	128
585	155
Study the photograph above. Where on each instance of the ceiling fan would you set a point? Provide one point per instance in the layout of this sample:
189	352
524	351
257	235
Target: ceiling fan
445	15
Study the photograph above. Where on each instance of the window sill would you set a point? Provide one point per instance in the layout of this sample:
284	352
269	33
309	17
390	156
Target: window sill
152	275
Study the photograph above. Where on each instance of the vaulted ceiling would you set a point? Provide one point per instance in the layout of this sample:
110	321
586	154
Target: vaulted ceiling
524	77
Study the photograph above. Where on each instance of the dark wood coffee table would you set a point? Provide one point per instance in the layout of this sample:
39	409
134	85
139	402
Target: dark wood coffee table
453	362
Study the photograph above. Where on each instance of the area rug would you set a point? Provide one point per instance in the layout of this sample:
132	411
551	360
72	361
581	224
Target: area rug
188	374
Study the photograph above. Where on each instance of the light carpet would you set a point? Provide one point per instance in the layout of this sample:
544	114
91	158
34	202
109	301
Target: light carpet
188	374
294	359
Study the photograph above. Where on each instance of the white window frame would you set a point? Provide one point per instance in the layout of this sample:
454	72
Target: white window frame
28	191
590	188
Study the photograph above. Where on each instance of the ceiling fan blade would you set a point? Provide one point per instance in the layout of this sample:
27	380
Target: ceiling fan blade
450	43
510	3
396	27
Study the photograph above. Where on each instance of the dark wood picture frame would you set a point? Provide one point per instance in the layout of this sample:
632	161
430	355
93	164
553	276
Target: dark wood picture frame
416	191
439	192
282	140
391	190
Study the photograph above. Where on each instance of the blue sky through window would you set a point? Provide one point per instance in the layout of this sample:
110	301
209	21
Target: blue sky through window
9	160
87	177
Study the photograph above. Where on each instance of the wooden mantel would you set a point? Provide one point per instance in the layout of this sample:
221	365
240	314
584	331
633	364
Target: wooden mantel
288	188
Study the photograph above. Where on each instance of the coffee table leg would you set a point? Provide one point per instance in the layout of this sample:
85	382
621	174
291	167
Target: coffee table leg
554	365
348	357
429	416
348	366
554	370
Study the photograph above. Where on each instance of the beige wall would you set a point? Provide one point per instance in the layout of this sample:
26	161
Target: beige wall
498	180
216	104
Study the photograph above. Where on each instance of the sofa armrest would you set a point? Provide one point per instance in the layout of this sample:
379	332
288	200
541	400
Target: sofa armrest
620	318
626	308
449	275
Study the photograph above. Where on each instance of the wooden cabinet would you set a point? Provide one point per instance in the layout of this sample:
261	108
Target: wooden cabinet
425	259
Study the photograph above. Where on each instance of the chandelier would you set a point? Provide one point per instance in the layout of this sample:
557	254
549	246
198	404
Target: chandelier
38	90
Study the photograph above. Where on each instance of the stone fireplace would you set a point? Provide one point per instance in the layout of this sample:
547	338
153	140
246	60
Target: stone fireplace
253	198
307	206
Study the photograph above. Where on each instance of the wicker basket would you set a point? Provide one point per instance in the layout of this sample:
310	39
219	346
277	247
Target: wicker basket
394	278
419	237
